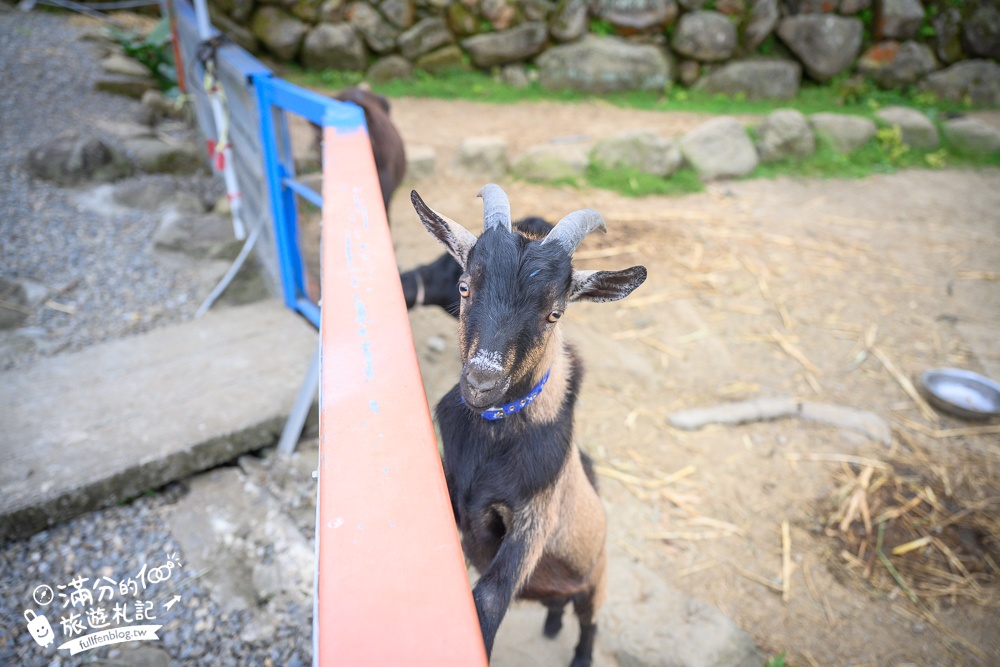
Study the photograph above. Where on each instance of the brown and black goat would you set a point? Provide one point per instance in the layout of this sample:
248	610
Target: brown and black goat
523	494
387	144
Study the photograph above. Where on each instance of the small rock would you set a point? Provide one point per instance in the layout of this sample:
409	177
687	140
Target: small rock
644	151
756	79
971	136
551	163
389	68
894	65
152	195
420	162
267	580
447	58
281	33
706	36
506	46
947	39
155	156
436	344
898	19
719	148
121	64
631	16
425	36
203	236
515	76
688	72
400	13
975	80
785	133
486	156
334	46
845	133
378	33
826	44
917	129
70	159
761	19
570	21
981	31
125	130
127	86
604	65
851	7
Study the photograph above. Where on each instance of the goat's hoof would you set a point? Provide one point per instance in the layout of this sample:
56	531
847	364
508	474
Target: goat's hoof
582	661
553	624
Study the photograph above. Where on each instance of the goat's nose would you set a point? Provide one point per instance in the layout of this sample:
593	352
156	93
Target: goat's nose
482	381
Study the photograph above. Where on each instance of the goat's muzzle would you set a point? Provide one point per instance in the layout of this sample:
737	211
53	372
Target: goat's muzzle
484	381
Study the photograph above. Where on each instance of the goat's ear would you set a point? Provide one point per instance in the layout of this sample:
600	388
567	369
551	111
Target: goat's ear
605	285
456	239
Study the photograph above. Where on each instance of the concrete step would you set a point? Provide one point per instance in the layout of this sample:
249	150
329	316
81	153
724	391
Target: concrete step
86	430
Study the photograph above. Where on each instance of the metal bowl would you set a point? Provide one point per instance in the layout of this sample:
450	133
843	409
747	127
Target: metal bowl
962	393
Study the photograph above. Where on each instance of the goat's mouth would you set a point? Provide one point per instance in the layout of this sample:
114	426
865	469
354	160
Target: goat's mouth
478	399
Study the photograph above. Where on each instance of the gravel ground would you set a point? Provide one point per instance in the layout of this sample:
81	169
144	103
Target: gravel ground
116	543
103	267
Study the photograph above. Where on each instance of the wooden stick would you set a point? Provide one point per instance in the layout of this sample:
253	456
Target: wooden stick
939	434
15	306
978	275
925	409
838	458
794	352
700	567
756	577
786	562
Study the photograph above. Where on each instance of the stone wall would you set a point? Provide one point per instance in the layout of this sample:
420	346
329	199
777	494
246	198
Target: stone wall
757	48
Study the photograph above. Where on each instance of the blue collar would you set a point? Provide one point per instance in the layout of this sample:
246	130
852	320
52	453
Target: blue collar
495	414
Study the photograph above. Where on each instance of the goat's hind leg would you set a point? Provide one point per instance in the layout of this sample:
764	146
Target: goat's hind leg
585	608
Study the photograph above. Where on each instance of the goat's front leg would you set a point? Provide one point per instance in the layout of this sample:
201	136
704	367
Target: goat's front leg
516	559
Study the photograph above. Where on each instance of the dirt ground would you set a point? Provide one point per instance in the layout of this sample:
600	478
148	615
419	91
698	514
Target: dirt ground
756	289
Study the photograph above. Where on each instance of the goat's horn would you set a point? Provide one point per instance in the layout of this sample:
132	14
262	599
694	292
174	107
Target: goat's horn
571	230
496	207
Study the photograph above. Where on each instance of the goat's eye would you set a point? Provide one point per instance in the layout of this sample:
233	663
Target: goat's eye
463	288
554	316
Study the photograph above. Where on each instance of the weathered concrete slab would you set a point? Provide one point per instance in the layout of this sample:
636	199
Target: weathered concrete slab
85	430
644	623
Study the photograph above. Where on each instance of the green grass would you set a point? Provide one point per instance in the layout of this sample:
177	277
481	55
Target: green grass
776	661
886	154
842	95
634	183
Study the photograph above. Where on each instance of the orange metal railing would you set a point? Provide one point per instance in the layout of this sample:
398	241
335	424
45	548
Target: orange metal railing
392	586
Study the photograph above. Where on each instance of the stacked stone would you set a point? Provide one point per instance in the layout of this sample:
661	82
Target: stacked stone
751	48
721	148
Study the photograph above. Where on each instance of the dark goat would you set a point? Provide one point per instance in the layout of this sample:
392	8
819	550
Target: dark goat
522	493
387	144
